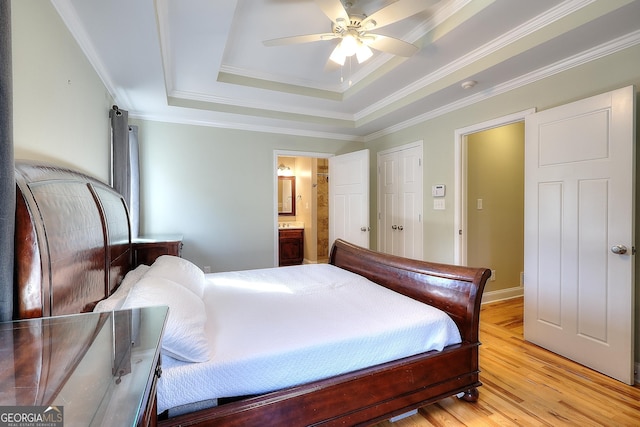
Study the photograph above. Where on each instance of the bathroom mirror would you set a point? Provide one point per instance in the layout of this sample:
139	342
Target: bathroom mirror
286	195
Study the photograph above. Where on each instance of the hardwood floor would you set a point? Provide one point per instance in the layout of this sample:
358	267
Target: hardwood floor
525	385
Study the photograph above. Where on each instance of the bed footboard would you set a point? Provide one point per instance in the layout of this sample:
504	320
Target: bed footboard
456	290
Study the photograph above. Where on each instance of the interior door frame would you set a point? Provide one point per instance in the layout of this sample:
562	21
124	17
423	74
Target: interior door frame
460	172
274	168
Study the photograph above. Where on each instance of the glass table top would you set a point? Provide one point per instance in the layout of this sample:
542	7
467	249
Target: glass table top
96	366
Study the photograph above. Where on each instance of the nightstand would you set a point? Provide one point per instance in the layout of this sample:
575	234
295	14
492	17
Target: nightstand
92	368
147	248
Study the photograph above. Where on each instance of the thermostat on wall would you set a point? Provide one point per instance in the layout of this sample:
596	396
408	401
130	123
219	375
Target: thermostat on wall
437	190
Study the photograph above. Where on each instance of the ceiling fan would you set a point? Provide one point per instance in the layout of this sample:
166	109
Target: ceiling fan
354	30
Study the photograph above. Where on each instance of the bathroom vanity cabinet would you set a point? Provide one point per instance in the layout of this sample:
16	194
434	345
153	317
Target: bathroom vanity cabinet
291	246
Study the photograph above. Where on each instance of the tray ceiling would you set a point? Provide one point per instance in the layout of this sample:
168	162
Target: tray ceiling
203	62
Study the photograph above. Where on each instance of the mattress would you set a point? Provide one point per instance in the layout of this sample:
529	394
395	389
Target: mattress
274	328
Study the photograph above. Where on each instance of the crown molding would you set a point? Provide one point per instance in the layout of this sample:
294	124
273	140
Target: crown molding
582	58
69	17
175	119
290	110
505	40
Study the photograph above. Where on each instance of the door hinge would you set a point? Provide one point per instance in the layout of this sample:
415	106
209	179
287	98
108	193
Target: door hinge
633	250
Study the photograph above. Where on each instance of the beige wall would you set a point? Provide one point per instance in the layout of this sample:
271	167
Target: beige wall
495	175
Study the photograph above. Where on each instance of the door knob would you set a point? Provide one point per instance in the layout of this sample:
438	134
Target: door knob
619	249
394	227
364	229
400	228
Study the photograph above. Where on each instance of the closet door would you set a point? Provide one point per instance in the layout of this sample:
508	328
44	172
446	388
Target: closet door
388	235
400	201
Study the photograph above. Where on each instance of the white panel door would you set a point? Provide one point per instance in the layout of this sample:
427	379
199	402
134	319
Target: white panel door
579	214
410	198
388	176
400	202
349	198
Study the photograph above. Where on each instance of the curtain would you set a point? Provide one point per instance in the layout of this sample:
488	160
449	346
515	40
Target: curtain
7	173
124	164
134	183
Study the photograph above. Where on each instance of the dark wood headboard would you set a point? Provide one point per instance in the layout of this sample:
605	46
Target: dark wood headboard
72	244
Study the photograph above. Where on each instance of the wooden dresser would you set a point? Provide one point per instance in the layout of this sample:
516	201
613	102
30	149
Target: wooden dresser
147	248
92	368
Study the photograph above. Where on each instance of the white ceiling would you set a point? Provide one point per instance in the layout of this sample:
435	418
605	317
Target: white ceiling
203	61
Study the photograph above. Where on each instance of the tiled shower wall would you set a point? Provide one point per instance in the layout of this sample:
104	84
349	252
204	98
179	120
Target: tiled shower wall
323	210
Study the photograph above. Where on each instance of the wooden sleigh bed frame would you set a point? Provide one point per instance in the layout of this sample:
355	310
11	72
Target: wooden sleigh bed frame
73	247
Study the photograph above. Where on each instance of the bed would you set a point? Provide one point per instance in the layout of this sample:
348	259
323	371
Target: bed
73	249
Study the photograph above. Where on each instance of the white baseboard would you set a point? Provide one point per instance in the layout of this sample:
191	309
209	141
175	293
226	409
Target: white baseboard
502	294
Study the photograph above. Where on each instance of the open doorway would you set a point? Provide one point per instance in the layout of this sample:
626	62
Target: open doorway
310	174
489	216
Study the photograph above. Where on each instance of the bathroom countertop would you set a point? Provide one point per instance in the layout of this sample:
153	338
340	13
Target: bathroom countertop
287	225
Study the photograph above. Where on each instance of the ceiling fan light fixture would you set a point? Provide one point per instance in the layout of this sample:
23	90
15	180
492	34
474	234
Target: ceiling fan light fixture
338	56
363	53
349	45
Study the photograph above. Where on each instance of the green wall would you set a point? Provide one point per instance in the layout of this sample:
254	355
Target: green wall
60	105
216	187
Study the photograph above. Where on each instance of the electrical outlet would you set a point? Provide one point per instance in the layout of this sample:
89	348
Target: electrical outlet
493	276
207	269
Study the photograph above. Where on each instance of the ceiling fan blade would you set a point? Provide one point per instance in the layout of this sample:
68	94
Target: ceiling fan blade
308	38
391	45
333	9
396	12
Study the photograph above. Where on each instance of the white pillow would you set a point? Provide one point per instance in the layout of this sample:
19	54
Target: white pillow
180	271
184	336
115	301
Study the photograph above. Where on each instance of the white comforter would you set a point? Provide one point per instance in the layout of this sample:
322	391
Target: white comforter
274	328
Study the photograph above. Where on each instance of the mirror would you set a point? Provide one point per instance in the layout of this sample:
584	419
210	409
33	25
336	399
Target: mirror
286	195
